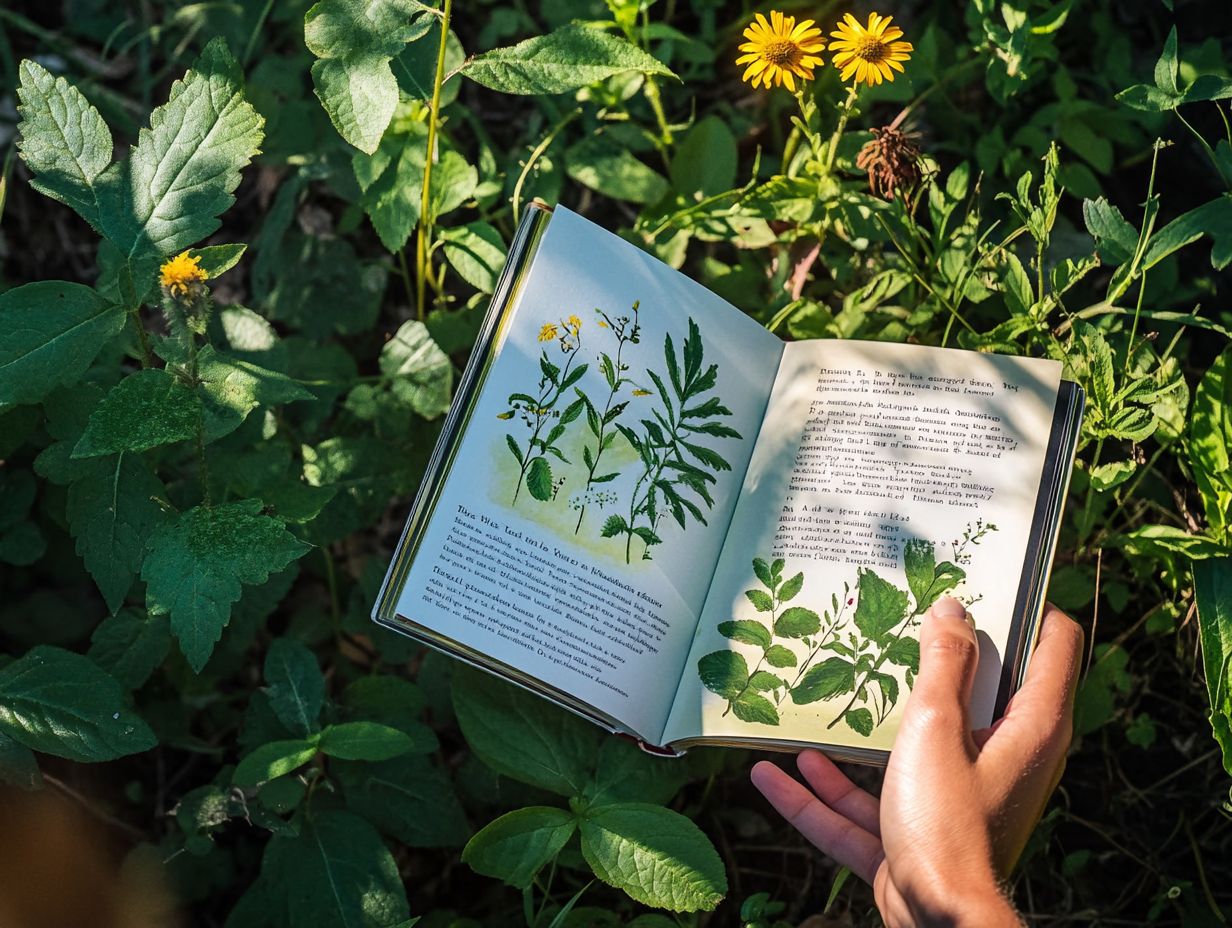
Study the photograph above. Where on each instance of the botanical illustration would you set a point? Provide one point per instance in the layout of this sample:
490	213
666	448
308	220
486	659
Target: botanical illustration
537	412
807	657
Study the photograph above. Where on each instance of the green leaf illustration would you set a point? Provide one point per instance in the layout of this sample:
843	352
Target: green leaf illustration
860	721
833	676
881	606
791	587
905	652
796	622
539	479
750	707
762	571
517	845
780	656
761	600
724	673
747	632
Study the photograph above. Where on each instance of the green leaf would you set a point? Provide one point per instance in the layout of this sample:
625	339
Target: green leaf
1095	701
144	410
750	707
1149	99
881	606
522	736
905	652
516	846
1166	66
477	252
1207	87
421	372
408	798
791	587
919	564
64	141
453	183
611	169
779	656
761	600
276	759
747	632
196	564
1213	592
111	512
657	856
763	681
338	873
355	40
57	702
724	673
1116	238
705	161
216	260
232	387
130	645
50	332
762	571
569	58
828	679
623	772
539	479
796	622
364	741
392	183
860	721
1213	219
18	765
294	685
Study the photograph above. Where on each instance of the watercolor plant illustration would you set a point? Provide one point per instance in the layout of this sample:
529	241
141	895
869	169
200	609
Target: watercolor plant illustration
856	651
536	412
676	470
601	421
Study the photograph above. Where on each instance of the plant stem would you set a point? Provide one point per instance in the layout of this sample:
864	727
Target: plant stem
535	155
147	353
594	462
774	605
843	116
876	665
425	199
822	637
541	419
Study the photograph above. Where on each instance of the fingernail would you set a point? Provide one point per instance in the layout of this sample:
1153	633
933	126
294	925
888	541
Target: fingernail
947	607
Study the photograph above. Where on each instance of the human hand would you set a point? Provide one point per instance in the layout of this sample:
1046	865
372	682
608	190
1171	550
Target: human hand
957	806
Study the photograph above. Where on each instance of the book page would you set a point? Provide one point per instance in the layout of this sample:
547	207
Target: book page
579	525
885	475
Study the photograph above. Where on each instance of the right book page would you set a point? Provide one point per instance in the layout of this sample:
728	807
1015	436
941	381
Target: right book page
884	476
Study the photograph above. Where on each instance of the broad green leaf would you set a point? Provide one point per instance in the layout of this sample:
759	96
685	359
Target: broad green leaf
1213	592
420	372
905	652
724	673
1208	87
338	874
408	798
50	332
860	721
516	846
64	141
611	169
130	645
780	656
1116	238
232	387
1210	440
1213	218
569	58
705	161
623	772
791	587
18	765
112	511
21	542
391	179
761	600
355	40
1095	701
539	479
881	606
276	759
57	702
216	260
522	736
294	684
657	856
828	679
384	698
477	252
453	183
797	622
747	632
182	174
762	571
751	707
1149	99
144	410
195	567
364	741
1166	66
919	564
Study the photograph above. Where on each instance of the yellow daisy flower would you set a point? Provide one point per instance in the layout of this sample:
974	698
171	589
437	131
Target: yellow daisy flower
575	324
779	51
177	275
548	332
869	53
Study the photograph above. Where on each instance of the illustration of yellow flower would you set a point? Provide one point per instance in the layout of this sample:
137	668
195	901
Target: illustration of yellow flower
575	324
548	332
779	51
179	274
640	392
870	53
602	324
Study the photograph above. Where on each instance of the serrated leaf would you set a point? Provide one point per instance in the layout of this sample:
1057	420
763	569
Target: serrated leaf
760	599
1213	592
919	564
130	645
408	798
724	672
195	567
276	759
539	479
517	845
750	707
791	587
477	252
860	721
747	632
232	387
1116	238
294	684
763	681
796	622
422	373
50	332
831	677
905	652
57	702
569	58
657	856
364	741
144	410
780	656
881	606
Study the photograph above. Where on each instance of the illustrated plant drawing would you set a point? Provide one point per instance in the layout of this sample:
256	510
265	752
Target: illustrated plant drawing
884	618
245	247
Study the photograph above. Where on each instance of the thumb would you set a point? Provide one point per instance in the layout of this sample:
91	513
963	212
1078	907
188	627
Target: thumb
949	652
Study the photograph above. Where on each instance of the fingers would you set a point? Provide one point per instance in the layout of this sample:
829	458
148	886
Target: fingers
839	793
949	653
836	835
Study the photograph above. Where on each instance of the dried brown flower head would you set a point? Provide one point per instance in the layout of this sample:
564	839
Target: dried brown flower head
892	160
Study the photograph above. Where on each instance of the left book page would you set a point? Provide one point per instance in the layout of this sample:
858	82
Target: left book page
589	494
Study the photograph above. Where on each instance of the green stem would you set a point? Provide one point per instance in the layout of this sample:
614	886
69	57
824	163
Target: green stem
425	199
535	155
844	115
147	353
823	637
876	666
774	605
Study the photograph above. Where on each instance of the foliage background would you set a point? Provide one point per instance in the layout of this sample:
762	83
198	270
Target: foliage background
327	454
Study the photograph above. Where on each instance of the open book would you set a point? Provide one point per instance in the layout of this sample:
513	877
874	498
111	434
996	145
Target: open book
649	509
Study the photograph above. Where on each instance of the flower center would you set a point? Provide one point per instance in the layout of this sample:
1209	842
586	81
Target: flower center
783	53
872	50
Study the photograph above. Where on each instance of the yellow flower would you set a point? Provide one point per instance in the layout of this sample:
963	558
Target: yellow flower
779	51
575	324
548	332
180	273
869	52
602	324
641	392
